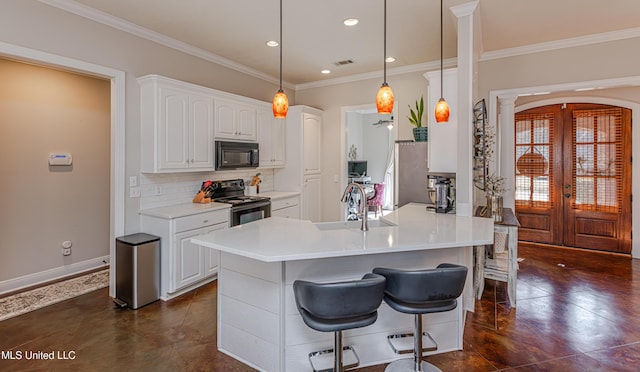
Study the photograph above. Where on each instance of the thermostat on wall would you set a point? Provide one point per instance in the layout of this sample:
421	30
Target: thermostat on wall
60	158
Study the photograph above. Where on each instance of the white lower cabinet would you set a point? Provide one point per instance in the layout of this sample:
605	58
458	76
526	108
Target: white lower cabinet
184	265
312	210
286	207
192	262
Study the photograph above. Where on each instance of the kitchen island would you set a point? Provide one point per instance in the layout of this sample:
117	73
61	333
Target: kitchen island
258	322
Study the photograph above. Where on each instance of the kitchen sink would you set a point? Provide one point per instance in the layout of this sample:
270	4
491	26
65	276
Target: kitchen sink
346	225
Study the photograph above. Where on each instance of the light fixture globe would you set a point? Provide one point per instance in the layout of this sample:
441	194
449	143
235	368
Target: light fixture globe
442	111
280	105
384	99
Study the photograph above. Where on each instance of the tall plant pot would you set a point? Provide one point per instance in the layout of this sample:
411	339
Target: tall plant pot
421	134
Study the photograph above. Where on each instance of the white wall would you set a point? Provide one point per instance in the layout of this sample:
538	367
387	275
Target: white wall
43	110
376	147
354	135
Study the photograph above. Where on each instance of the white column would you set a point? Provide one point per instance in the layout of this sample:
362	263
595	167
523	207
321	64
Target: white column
506	147
464	175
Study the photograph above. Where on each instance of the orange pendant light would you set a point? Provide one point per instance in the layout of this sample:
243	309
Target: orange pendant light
384	98
442	111
280	105
442	108
280	100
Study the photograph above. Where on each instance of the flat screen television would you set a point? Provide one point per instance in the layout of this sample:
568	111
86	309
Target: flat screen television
357	168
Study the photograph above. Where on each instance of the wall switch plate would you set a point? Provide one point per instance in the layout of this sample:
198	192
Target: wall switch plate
133	181
134	192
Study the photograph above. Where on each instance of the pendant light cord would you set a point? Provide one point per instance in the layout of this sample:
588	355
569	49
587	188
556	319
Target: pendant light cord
280	44
441	53
384	59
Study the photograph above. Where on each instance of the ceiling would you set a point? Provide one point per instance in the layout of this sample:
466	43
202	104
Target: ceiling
314	37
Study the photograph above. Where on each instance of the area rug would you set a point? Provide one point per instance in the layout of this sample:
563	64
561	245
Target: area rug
34	299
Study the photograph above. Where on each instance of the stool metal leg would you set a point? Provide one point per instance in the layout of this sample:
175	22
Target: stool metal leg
337	364
416	364
337	348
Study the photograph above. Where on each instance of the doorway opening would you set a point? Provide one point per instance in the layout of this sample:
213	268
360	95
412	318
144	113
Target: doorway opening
369	152
573	176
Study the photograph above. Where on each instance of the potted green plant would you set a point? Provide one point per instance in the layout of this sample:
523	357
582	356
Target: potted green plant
420	133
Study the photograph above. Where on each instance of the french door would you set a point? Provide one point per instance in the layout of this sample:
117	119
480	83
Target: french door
573	176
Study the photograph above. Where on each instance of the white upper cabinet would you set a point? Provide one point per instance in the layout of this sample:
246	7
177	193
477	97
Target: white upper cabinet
235	121
176	127
312	132
271	139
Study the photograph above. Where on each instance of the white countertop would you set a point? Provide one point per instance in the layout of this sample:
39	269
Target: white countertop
182	210
275	195
279	239
188	209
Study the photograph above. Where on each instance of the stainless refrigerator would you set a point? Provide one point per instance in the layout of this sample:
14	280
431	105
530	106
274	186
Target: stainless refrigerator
410	172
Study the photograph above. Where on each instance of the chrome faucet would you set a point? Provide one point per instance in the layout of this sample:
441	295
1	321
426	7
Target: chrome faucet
363	203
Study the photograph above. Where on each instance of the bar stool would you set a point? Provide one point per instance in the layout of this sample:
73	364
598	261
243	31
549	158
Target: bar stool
421	292
338	306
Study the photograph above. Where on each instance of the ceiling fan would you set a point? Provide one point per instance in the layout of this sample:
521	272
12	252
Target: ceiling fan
387	122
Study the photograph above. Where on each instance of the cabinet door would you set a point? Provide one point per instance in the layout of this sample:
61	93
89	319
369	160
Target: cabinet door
225	126
201	132
311	142
311	206
265	129
246	123
212	256
173	129
187	261
278	143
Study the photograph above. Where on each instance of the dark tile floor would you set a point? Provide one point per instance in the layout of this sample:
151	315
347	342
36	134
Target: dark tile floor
577	311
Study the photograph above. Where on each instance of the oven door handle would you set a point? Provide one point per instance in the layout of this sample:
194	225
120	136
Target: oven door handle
241	208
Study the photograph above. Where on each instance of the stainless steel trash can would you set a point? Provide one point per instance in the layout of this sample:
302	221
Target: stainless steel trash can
137	270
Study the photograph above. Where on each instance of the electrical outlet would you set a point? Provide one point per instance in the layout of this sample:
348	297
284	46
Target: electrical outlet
134	192
133	181
158	190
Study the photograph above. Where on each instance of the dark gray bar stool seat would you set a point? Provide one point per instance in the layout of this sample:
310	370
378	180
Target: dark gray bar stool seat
421	292
338	306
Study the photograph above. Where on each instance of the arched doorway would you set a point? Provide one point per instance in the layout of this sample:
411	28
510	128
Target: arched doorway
573	176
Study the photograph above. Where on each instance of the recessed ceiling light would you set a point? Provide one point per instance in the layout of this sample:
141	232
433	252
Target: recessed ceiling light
272	43
326	71
390	59
351	22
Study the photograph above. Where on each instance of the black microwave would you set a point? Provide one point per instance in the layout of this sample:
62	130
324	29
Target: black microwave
234	155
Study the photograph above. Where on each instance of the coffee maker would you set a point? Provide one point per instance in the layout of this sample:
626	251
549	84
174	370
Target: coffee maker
441	191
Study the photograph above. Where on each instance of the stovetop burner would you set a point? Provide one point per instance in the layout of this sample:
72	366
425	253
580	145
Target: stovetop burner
232	192
240	199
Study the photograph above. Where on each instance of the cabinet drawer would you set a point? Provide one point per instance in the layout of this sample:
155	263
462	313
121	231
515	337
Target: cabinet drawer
284	203
202	220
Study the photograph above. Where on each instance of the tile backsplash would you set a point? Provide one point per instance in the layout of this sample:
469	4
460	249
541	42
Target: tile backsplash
160	190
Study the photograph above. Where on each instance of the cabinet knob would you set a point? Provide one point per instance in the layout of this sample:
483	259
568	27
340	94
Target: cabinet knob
205	221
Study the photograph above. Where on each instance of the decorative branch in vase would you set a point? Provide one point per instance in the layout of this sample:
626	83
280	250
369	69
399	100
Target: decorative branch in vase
494	191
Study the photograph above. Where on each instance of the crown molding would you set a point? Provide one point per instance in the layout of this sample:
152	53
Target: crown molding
421	67
131	28
561	44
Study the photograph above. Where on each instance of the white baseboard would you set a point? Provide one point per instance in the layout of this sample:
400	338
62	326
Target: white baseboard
52	274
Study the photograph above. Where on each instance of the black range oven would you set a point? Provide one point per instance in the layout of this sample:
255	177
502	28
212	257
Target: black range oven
244	209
